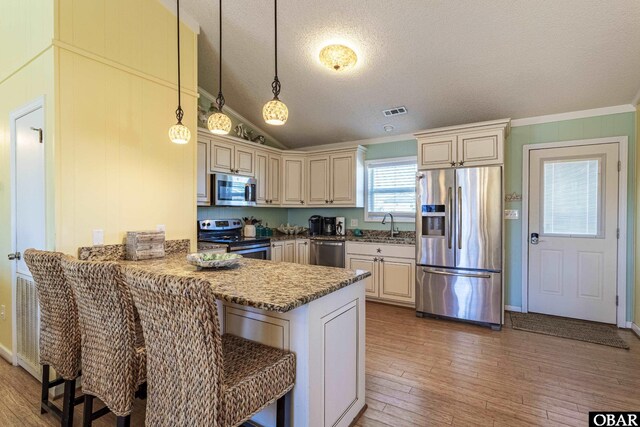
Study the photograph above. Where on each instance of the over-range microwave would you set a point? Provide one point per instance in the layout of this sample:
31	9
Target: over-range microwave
233	190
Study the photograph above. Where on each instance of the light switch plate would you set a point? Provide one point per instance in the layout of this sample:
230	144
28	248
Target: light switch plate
511	214
98	237
354	222
161	227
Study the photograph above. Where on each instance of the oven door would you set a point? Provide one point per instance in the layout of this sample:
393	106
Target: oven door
234	190
254	252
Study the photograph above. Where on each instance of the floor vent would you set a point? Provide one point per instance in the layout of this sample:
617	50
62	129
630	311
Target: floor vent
28	326
395	111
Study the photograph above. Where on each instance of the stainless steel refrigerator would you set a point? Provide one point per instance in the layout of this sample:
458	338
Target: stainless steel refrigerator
459	244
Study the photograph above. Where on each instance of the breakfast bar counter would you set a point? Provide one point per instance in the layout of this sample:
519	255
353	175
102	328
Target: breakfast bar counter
316	312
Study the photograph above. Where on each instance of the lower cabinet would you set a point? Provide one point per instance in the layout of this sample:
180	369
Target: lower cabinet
392	278
290	251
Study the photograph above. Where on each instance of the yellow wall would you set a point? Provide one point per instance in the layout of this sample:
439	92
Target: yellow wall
107	69
636	317
116	168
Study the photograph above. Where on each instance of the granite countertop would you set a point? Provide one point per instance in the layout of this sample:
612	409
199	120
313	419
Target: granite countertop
366	238
267	285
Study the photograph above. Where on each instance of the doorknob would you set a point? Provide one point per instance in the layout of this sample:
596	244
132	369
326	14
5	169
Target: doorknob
14	256
535	238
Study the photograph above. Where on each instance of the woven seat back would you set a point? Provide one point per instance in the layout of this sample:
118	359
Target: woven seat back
59	332
107	324
184	349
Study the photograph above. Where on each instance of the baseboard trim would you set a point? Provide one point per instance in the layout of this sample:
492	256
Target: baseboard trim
513	308
635	328
6	354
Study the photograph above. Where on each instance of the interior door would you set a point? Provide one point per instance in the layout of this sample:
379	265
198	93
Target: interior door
29	180
573	221
478	225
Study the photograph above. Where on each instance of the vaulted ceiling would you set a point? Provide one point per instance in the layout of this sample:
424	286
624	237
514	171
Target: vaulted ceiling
448	62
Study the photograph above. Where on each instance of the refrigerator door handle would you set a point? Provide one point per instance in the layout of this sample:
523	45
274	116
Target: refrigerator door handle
446	273
450	195
459	217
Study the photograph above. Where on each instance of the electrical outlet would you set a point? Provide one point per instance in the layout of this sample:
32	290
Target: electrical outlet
2	312
354	222
161	227
98	237
511	214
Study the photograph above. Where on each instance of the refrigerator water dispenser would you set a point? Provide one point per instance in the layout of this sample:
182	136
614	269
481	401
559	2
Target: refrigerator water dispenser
433	223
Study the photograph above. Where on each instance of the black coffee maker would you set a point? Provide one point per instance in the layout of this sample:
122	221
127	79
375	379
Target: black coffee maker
329	226
315	225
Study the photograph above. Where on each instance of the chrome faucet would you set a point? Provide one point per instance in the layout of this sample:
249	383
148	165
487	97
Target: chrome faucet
393	229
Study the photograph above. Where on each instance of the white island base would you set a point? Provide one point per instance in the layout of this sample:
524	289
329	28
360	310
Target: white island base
327	336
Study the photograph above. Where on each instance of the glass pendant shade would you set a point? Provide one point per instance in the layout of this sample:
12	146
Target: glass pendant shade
338	57
275	112
179	134
219	123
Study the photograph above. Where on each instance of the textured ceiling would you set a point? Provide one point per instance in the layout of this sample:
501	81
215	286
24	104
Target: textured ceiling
448	62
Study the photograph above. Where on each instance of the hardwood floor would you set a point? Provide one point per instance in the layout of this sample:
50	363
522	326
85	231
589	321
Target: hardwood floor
432	372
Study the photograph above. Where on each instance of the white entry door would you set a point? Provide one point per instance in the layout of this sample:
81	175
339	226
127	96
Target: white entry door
573	226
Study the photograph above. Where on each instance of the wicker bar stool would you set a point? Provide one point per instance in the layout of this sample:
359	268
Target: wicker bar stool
113	352
196	376
59	332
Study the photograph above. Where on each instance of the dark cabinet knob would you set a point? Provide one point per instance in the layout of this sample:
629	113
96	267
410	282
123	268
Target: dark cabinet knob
453	164
326	201
460	163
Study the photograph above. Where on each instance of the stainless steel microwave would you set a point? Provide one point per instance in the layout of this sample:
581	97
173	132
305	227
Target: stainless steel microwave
234	190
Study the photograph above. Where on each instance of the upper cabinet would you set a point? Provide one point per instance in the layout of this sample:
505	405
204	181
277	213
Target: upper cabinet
284	178
474	144
227	157
204	179
294	169
337	178
268	181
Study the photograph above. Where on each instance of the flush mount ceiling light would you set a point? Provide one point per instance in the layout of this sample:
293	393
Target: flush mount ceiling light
338	57
218	122
275	112
179	133
388	128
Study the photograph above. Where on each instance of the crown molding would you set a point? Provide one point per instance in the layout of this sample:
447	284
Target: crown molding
350	144
244	119
185	17
616	109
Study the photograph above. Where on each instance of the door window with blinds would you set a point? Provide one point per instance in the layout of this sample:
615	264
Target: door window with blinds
572	202
391	188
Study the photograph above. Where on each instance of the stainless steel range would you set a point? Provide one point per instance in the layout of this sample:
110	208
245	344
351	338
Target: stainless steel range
229	232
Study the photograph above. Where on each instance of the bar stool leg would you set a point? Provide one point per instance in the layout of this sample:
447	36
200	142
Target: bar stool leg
68	403
87	413
283	411
44	394
123	421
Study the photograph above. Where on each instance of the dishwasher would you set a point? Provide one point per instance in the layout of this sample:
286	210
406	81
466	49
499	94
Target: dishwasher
327	252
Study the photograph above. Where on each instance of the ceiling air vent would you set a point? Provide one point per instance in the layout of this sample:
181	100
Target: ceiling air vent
395	111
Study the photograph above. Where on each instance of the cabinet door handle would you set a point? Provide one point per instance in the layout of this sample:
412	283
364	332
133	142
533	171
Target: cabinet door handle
375	259
381	259
330	201
461	163
453	164
326	201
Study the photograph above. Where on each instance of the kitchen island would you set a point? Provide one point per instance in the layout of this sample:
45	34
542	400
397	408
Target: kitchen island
316	312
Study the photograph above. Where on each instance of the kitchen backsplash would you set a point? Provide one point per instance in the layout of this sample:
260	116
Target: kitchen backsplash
276	216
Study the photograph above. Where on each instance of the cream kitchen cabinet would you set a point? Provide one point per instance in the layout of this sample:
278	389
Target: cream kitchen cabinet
392	270
289	251
227	157
474	144
294	180
268	182
204	179
336	178
302	251
277	251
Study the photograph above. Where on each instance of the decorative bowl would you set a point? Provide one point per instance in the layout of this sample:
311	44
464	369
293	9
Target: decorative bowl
209	260
291	229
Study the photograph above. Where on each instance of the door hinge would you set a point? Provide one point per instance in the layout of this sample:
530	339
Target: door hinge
619	165
617	233
617	300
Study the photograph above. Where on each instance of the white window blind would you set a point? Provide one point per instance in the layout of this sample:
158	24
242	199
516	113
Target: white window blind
391	187
572	197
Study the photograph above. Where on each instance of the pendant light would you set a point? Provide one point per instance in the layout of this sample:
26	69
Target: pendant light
179	133
275	112
219	123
